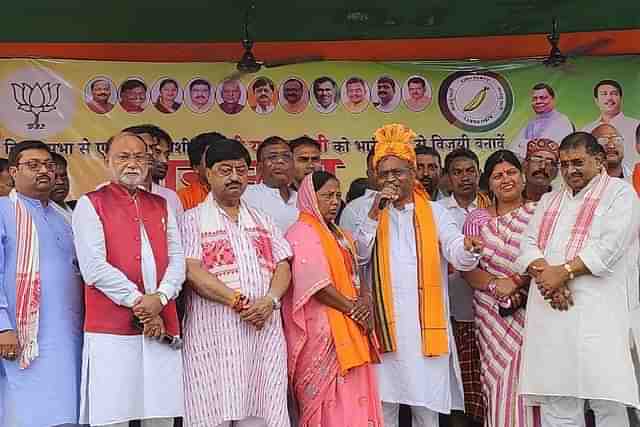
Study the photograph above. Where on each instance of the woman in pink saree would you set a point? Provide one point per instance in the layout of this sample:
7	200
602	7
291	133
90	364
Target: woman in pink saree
328	324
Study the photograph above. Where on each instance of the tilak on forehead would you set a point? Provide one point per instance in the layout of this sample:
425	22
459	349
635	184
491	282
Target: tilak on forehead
394	140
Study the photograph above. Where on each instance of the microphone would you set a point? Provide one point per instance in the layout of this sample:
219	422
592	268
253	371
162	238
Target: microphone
174	343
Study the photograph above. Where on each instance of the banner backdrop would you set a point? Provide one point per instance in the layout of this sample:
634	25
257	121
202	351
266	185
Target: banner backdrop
76	105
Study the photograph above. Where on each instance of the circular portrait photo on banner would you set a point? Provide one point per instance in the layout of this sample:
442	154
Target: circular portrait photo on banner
200	95
416	93
263	96
355	94
167	95
100	95
325	94
133	95
231	96
294	95
386	94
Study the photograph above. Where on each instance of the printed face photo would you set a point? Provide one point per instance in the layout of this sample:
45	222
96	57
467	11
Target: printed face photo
100	95
325	94
386	96
231	96
416	93
355	95
262	95
167	95
294	95
200	96
133	95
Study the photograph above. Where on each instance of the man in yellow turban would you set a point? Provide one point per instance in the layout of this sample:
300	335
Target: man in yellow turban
408	241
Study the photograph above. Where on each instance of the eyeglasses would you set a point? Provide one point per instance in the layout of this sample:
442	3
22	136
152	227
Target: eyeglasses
328	197
273	158
226	170
542	161
394	173
604	140
36	165
137	158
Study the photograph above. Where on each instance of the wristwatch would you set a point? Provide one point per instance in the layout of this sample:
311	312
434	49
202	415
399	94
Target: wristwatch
164	299
276	301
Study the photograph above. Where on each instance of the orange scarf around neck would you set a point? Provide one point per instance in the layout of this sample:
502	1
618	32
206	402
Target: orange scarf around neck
431	304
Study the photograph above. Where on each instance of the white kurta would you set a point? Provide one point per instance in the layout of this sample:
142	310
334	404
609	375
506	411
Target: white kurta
460	293
269	201
406	376
127	377
627	127
355	213
585	352
173	201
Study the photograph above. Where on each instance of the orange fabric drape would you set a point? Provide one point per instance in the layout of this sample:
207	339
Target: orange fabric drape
352	346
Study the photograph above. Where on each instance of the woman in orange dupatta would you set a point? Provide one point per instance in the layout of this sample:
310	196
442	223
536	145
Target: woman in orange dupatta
327	322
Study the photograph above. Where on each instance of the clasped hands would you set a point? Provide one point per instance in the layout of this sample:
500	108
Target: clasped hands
257	312
360	313
552	283
147	309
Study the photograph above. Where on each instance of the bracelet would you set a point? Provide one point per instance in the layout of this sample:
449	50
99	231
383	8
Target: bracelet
569	270
237	303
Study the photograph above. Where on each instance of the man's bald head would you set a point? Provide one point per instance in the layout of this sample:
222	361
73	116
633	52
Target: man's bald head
612	142
604	129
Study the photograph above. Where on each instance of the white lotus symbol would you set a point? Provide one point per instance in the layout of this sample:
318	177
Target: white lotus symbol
36	99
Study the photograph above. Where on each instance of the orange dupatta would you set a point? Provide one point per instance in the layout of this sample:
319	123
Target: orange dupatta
636	178
431	304
352	346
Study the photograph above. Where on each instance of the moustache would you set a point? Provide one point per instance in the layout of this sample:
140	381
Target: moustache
232	183
43	177
541	172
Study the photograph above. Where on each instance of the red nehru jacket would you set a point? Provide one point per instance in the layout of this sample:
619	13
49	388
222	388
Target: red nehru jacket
120	219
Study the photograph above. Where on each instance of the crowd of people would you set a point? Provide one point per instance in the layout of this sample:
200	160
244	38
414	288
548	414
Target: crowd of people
442	293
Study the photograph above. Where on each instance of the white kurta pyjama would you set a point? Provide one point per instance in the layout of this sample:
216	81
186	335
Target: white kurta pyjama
585	352
232	370
406	376
127	377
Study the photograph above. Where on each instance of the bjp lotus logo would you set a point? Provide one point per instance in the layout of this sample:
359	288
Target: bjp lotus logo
36	99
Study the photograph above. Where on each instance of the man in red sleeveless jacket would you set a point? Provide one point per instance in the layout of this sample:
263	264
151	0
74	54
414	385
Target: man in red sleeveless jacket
133	266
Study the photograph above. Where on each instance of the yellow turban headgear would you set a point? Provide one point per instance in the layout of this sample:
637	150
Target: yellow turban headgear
394	140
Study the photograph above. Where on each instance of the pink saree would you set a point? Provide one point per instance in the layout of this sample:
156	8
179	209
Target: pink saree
325	398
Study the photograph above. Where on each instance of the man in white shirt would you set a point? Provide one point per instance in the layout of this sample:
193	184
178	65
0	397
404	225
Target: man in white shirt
548	122
581	249
408	244
607	95
274	195
159	143
463	169
133	265
356	211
